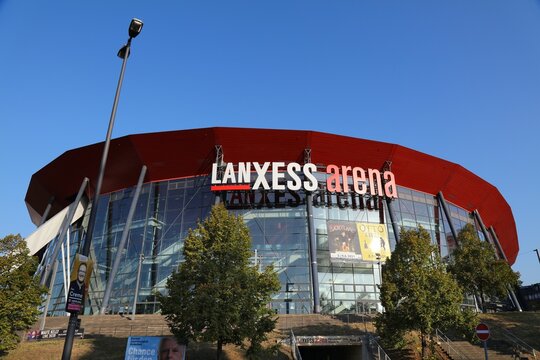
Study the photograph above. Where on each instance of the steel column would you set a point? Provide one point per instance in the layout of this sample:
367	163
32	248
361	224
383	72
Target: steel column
313	254
440	197
219	163
46	212
495	239
63	230
137	283
481	223
312	243
395	227
123	240
498	244
49	294
388	167
41	222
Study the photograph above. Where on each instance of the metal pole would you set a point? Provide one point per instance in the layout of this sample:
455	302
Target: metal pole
70	335
68	264
122	243
537	254
485	349
104	156
133	310
68	345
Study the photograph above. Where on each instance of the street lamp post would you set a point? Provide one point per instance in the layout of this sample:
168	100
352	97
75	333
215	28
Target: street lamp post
135	28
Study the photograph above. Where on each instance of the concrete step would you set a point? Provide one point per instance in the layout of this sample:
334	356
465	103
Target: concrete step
286	322
114	325
155	324
477	351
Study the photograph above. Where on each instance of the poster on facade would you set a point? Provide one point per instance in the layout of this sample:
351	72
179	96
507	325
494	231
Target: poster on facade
343	241
374	243
78	286
154	348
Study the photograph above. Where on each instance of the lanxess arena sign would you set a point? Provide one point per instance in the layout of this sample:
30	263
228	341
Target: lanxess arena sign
287	180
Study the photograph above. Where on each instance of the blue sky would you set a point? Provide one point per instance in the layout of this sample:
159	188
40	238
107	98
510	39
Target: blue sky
455	79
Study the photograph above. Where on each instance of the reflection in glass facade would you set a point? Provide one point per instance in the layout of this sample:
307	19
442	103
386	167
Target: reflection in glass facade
279	226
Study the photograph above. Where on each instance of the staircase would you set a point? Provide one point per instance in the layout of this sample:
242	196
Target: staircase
286	322
115	325
463	350
155	325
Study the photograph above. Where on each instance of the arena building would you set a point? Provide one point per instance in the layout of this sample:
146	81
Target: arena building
324	209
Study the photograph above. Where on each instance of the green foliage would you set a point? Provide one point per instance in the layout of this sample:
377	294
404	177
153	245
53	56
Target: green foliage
417	292
216	295
20	292
477	269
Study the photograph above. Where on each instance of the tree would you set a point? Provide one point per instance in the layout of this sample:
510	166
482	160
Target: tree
216	295
20	292
477	269
417	292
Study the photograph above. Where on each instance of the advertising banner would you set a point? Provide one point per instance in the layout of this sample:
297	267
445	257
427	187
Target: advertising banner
78	286
52	334
154	348
373	241
343	241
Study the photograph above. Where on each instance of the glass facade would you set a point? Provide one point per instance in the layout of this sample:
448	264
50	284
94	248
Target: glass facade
279	223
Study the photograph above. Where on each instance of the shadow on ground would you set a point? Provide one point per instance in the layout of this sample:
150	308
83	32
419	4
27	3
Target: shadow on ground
105	348
110	348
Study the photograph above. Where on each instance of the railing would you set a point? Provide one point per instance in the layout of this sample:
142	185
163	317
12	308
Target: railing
519	345
446	344
377	352
294	348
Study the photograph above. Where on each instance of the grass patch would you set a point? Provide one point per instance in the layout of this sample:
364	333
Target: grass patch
84	349
113	348
525	325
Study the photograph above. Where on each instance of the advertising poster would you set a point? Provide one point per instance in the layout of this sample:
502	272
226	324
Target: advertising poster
373	241
343	241
154	348
78	286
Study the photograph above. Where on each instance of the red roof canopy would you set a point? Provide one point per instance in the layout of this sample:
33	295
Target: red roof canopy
184	153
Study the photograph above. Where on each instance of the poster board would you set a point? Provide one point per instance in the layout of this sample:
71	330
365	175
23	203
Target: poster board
352	242
343	241
78	285
374	242
154	348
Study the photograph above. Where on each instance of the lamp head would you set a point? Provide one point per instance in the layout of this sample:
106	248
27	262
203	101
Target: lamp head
124	52
135	27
